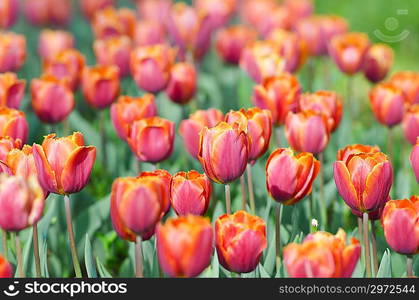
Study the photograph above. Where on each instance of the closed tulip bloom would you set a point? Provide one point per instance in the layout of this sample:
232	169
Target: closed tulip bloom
414	159
21	202
114	51
9	10
240	239
64	164
387	103
154	10
152	139
190	193
400	221
332	26
278	18
261	60
311	31
377	62
408	82
299	9
6	145
290	177
12	90
326	102
51	42
182	84
100	85
345	153
90	7
107	23
348	50
219	11
364	180
60	11
185	245
12	51
163	179
149	32
36	11
13	124
322	255
190	128
6	270
151	65
411	123
231	41
126	110
259	129
128	19
253	12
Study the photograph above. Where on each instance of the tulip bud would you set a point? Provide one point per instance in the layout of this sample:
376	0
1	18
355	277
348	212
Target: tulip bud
219	11
52	42
377	62
411	123
152	139
259	128
224	151
6	270
325	102
12	51
289	177
414	159
100	85
12	90
312	32
148	32
400	221
345	153
184	245
64	164
364	180
9	10
322	255
190	128
13	124
408	82
253	12
231	41
126	110
45	92
387	103
261	60
240	239
307	131
154	10
182	84
6	145
90	7
278	18
279	95
22	199
190	193
151	65
348	51
114	51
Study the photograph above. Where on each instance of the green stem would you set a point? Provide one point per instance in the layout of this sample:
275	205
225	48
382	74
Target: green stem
103	138
36	250
4	243
19	257
278	136
349	102
366	246
250	186
322	202
374	247
228	198
409	265
278	216
73	248
138	258
243	192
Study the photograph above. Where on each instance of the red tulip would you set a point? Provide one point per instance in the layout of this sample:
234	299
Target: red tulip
290	177
414	159
13	124
190	193
9	10
240	241
408	82
152	139
182	84
411	123
219	11
64	164
12	90
377	62
184	245
6	145
190	128
126	110
90	7
12	51
6	270
114	51
52	42
345	153
148	32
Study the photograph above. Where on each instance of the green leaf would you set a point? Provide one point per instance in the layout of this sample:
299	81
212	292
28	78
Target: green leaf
103	273
215	266
43	253
269	263
89	260
262	272
384	271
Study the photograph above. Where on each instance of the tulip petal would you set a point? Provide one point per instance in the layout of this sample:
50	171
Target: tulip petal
46	175
344	185
377	186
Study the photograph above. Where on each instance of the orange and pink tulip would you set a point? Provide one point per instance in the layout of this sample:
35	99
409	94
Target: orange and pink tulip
52	42
345	153
182	84
408	82
44	12
311	31
378	62
411	123
154	10
9	12
111	22
6	145
414	159
219	12
12	51
12	90
90	7
278	18
114	51
149	32
13	124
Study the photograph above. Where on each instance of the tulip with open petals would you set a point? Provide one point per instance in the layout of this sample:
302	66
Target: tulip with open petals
114	51
13	124
411	123
12	90
12	51
408	82
182	84
377	62
6	270
51	42
6	145
9	10
414	159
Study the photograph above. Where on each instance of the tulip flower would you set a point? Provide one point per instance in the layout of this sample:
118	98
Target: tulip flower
111	22
6	270
184	245
345	153
6	145
126	110
279	95
151	65
148	32
152	139
278	18
387	103
52	99
12	51
190	128
128	19
332	26
231	41
414	159
163	179
240	239
348	50
408	82
182	84
326	102
114	51
219	12
261	60
52	42
290	177
411	123
90	7
322	255
377	62
9	10
299	9
307	131
100	85
13	124
190	193
154	10
43	12
311	31
67	64
253	12
12	90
